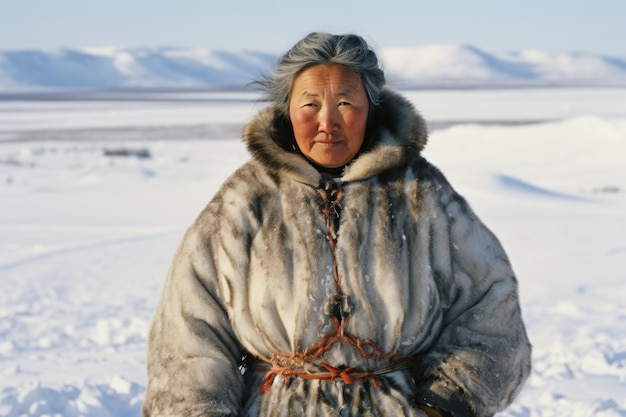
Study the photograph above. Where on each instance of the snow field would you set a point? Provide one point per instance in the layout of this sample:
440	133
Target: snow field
86	240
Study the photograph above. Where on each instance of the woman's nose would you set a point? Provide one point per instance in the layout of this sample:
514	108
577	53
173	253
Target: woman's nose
327	118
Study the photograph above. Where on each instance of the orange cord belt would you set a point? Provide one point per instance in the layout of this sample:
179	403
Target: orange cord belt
300	364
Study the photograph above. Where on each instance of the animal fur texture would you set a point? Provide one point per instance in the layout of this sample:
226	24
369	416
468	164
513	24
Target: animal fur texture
426	280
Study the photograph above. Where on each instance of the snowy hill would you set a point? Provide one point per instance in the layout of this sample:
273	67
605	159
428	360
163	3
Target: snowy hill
466	66
426	66
111	68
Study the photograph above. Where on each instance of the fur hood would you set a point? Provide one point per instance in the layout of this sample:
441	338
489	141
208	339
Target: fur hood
402	137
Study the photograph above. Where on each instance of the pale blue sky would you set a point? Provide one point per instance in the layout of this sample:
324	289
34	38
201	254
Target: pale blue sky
597	26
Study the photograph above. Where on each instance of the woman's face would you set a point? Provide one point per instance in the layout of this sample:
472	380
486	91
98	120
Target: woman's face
328	109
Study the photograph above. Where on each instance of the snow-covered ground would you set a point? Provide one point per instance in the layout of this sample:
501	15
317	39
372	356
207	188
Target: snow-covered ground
86	234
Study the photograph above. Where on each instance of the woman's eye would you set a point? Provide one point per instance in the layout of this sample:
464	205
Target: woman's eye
344	103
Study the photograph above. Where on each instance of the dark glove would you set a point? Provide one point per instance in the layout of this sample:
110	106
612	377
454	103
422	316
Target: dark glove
436	405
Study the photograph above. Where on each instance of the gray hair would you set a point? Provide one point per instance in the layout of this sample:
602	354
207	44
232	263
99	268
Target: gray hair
323	48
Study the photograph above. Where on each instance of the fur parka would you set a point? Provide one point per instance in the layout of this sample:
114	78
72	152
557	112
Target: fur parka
421	276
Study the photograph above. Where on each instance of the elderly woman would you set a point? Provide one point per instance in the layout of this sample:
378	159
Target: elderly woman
337	273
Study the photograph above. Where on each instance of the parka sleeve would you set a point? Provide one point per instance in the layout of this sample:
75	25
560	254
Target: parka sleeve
481	357
193	355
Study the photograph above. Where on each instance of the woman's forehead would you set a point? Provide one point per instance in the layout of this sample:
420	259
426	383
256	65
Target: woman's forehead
340	79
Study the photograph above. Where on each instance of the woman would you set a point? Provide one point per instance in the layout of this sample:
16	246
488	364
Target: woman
337	273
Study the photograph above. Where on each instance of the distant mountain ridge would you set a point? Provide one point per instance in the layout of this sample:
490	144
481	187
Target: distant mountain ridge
425	66
466	66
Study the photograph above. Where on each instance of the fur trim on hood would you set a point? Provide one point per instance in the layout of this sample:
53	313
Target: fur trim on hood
402	137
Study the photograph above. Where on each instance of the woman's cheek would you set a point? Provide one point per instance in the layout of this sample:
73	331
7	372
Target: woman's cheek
302	123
